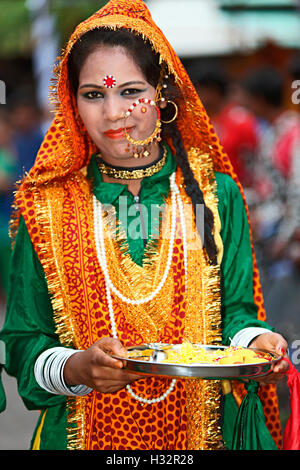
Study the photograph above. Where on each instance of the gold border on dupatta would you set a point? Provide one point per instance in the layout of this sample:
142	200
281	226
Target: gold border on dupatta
49	203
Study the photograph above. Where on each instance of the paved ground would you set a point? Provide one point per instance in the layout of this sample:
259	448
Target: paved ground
16	423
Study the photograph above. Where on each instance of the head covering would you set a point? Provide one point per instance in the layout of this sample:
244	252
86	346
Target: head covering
67	149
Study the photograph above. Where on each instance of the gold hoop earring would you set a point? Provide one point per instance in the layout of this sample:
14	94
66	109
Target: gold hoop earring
175	115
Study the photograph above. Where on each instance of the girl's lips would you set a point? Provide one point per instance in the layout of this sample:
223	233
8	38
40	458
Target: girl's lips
117	133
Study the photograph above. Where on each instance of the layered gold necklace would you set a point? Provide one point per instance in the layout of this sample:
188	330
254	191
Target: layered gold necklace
135	173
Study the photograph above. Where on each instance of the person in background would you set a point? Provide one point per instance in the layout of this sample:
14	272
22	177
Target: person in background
26	123
7	178
234	124
277	173
294	82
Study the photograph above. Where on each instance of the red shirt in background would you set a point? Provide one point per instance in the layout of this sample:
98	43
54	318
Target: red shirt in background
237	130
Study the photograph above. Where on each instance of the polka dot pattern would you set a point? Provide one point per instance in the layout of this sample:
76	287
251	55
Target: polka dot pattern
117	421
121	422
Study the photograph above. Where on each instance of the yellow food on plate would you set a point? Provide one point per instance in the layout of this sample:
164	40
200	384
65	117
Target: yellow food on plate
135	353
188	354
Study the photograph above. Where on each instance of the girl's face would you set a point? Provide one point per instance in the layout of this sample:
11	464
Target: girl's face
102	109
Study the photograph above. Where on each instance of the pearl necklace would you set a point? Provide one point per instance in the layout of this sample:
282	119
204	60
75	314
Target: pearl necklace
109	286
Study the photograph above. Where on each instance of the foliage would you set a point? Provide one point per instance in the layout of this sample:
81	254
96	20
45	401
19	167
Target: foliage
14	28
15	22
69	16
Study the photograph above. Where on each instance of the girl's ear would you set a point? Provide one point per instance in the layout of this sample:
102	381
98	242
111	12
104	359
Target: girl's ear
163	104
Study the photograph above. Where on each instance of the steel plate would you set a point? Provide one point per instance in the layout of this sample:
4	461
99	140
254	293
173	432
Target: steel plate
150	366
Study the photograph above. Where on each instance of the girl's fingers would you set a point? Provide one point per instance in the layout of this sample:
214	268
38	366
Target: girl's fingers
106	347
281	347
282	366
111	345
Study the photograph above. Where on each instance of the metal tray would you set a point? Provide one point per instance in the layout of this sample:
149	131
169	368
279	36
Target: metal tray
152	366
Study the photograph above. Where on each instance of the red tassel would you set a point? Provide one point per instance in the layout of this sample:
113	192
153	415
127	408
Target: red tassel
291	439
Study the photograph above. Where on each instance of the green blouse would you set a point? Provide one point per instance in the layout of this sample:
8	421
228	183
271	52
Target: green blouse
29	326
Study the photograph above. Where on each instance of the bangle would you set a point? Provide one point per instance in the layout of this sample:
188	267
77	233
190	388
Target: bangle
49	372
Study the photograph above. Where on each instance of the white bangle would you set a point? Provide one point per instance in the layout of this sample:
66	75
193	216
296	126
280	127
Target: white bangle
246	335
49	372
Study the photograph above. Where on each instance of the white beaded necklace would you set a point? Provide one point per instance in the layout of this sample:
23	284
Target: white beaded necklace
109	286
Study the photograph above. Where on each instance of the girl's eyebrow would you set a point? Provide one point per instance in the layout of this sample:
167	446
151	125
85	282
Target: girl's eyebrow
137	82
101	87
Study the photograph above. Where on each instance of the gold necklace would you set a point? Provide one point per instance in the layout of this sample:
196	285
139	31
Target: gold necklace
134	174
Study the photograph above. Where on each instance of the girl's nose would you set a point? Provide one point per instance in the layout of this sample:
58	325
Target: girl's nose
113	109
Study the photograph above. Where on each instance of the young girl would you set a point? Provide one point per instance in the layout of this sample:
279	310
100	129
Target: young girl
93	270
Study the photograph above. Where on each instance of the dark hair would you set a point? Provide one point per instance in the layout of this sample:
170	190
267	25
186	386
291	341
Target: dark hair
266	83
148	61
294	67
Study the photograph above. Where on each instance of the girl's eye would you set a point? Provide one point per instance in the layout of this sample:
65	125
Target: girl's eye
91	95
131	91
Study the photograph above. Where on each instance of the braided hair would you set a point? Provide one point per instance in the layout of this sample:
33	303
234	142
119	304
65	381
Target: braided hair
193	190
148	62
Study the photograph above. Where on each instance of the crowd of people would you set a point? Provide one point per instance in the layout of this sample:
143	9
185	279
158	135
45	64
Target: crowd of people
259	127
21	135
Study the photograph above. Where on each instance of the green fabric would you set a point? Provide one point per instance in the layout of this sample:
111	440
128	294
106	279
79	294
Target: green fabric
229	418
138	230
251	432
5	255
29	327
238	308
53	434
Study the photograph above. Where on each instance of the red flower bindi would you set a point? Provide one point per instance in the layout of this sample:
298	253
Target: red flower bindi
109	81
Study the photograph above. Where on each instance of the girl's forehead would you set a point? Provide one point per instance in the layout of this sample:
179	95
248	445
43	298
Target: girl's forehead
106	60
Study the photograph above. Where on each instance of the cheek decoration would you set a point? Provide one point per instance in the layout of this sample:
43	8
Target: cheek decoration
109	81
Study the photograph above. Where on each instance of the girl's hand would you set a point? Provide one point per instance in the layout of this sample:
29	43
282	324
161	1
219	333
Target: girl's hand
273	343
95	367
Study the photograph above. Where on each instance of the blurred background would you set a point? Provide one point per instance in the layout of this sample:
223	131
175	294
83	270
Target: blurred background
244	58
